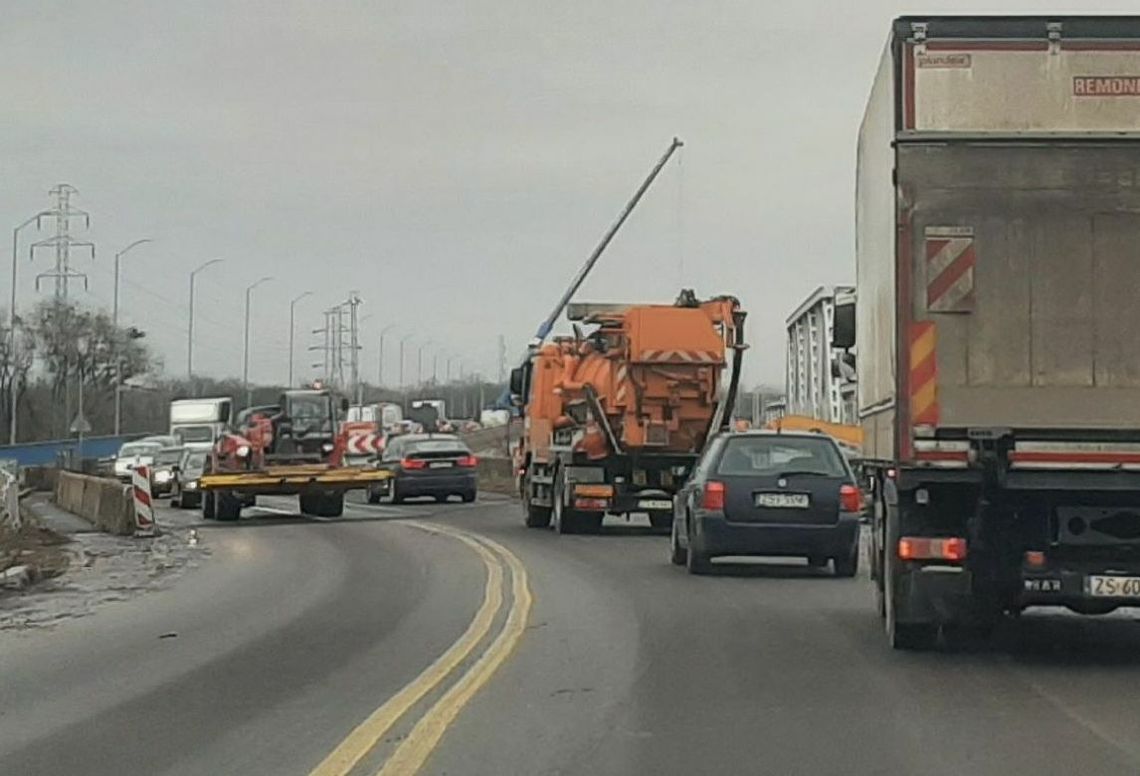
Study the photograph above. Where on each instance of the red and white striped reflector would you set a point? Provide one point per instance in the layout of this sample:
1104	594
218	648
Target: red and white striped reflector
364	444
950	260
681	356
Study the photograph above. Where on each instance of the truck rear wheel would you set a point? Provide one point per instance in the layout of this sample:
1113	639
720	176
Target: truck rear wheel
209	505
536	516
566	520
661	521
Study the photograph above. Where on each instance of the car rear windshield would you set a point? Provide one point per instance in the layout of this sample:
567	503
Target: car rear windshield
437	447
126	451
195	461
166	457
775	455
196	433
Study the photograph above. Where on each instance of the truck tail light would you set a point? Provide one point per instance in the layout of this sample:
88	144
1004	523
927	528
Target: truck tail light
713	497
850	498
950	548
468	462
413	463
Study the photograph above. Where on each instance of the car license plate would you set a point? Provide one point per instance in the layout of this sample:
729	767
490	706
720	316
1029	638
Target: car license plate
782	500
1113	587
440	465
655	503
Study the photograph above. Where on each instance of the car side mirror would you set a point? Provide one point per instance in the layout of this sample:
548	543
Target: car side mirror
518	381
843	326
175	468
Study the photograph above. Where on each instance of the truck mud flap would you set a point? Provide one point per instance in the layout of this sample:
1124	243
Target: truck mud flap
934	594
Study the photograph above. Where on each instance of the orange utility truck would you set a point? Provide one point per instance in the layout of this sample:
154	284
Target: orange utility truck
615	417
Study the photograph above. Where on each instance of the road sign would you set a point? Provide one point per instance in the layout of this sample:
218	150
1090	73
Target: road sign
80	425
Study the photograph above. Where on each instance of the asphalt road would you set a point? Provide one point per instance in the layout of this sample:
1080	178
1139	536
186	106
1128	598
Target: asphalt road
295	632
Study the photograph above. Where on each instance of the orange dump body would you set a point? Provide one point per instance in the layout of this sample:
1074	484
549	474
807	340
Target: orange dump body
654	371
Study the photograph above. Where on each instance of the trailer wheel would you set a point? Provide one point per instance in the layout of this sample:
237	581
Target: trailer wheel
330	505
209	505
228	507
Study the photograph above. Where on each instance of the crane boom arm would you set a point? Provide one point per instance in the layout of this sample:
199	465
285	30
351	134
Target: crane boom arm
548	324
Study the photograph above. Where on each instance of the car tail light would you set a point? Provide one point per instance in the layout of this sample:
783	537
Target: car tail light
850	498
413	463
1035	559
950	548
713	497
468	461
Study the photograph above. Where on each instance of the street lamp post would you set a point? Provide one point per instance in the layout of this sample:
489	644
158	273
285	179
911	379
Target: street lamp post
420	362
115	326
190	326
403	385
12	320
292	309
245	348
380	368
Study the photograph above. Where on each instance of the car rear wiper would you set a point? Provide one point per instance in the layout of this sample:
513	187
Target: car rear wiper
805	473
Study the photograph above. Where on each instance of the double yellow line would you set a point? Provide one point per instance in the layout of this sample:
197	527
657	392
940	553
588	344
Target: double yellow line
415	749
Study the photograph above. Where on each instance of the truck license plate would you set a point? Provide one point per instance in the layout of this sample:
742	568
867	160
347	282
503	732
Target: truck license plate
655	503
1113	587
782	500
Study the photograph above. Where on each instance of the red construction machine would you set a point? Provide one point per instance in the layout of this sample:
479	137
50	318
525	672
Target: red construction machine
296	447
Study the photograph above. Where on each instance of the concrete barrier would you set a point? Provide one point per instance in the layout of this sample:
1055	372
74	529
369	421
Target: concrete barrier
40	477
104	503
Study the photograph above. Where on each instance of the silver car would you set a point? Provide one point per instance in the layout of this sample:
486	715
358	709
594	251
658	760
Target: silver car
133	454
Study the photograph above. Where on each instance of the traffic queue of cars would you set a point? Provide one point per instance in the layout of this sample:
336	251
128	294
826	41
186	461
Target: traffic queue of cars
423	465
175	466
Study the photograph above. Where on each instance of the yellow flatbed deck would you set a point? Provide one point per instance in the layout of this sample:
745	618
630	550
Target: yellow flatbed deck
292	479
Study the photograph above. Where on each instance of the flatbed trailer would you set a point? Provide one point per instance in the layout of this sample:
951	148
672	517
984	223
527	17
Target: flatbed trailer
321	487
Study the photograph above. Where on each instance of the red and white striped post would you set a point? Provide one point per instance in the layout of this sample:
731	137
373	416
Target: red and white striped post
143	498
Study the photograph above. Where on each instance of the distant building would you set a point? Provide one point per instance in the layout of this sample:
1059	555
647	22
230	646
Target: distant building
820	382
774	410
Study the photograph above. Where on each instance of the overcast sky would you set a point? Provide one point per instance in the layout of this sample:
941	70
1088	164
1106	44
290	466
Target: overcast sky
452	162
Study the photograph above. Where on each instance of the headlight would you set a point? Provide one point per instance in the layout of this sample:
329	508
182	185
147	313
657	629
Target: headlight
327	447
242	451
192	485
162	475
